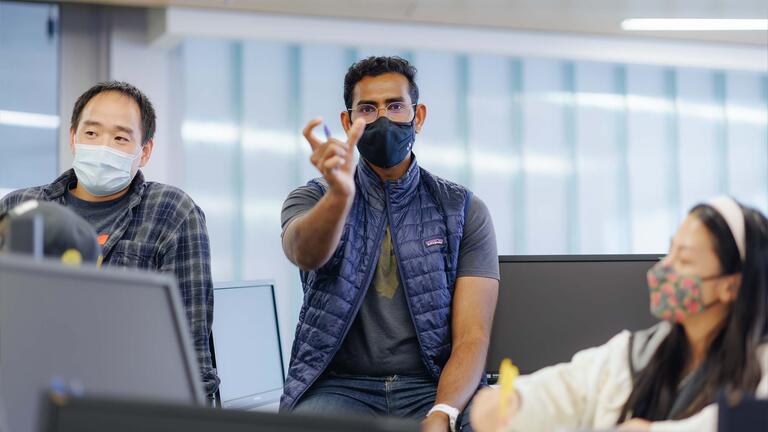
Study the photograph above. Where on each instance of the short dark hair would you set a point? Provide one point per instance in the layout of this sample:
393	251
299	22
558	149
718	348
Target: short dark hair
374	66
145	106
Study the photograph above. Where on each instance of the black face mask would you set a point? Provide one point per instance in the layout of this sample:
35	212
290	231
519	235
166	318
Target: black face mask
386	143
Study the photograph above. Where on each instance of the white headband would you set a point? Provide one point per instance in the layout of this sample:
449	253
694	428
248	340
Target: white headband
731	211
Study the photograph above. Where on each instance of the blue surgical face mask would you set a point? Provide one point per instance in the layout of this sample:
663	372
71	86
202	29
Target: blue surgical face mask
103	170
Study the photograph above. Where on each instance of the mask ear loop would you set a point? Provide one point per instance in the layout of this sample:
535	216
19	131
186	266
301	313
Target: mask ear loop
138	153
133	159
713	302
709	278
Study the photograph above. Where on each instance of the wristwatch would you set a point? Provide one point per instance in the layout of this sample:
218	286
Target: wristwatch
450	411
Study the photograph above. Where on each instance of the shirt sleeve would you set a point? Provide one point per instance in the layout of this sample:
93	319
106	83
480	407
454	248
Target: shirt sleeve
189	258
300	201
477	253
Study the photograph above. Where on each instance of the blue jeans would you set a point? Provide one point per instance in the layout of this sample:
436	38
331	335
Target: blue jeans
396	395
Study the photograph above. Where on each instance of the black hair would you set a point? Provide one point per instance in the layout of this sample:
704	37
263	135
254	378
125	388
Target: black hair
732	362
374	66
145	106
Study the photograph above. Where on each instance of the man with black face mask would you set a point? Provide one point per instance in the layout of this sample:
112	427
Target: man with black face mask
399	267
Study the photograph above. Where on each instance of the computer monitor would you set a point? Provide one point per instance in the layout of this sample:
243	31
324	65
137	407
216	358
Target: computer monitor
98	415
247	345
550	307
101	331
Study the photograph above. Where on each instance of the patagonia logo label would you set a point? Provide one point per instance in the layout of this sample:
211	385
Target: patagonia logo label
434	242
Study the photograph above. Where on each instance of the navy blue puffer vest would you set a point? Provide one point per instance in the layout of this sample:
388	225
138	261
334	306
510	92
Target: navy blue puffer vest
426	215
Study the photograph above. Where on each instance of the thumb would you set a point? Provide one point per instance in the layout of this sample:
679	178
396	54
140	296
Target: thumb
354	133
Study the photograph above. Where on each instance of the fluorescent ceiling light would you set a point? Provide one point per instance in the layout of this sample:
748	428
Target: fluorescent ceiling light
693	24
27	119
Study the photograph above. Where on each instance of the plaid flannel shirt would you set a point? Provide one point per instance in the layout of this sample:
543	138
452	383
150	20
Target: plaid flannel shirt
162	229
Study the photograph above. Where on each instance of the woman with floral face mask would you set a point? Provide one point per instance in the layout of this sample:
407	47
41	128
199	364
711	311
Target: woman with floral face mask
711	294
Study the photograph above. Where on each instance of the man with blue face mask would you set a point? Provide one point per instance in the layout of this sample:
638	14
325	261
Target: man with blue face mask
139	223
399	267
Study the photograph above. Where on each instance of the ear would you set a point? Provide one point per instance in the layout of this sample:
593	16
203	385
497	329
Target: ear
72	140
728	289
146	153
346	121
421	116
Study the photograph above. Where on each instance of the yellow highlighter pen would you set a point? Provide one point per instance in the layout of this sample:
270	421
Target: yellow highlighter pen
508	372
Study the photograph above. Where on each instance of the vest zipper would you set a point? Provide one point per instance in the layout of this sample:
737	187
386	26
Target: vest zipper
368	279
402	282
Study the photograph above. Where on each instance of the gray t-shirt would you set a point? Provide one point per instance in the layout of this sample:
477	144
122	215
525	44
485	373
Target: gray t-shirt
101	215
382	340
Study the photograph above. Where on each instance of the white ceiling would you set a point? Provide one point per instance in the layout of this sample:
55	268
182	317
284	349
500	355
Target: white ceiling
581	16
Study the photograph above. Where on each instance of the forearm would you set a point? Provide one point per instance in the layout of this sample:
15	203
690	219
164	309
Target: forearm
474	301
310	240
462	373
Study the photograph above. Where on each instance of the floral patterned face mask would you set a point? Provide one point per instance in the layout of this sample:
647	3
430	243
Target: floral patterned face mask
674	296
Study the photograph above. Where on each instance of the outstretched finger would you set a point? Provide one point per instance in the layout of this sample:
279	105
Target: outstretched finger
355	132
311	138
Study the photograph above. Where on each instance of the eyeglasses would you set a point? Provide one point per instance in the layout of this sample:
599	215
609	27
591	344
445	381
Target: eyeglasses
396	111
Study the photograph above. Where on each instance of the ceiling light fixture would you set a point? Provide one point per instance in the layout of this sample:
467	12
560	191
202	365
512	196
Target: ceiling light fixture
693	24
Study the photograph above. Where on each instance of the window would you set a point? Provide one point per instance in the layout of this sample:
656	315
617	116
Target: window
29	121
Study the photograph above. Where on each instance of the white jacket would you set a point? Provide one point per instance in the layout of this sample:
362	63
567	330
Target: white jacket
590	391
